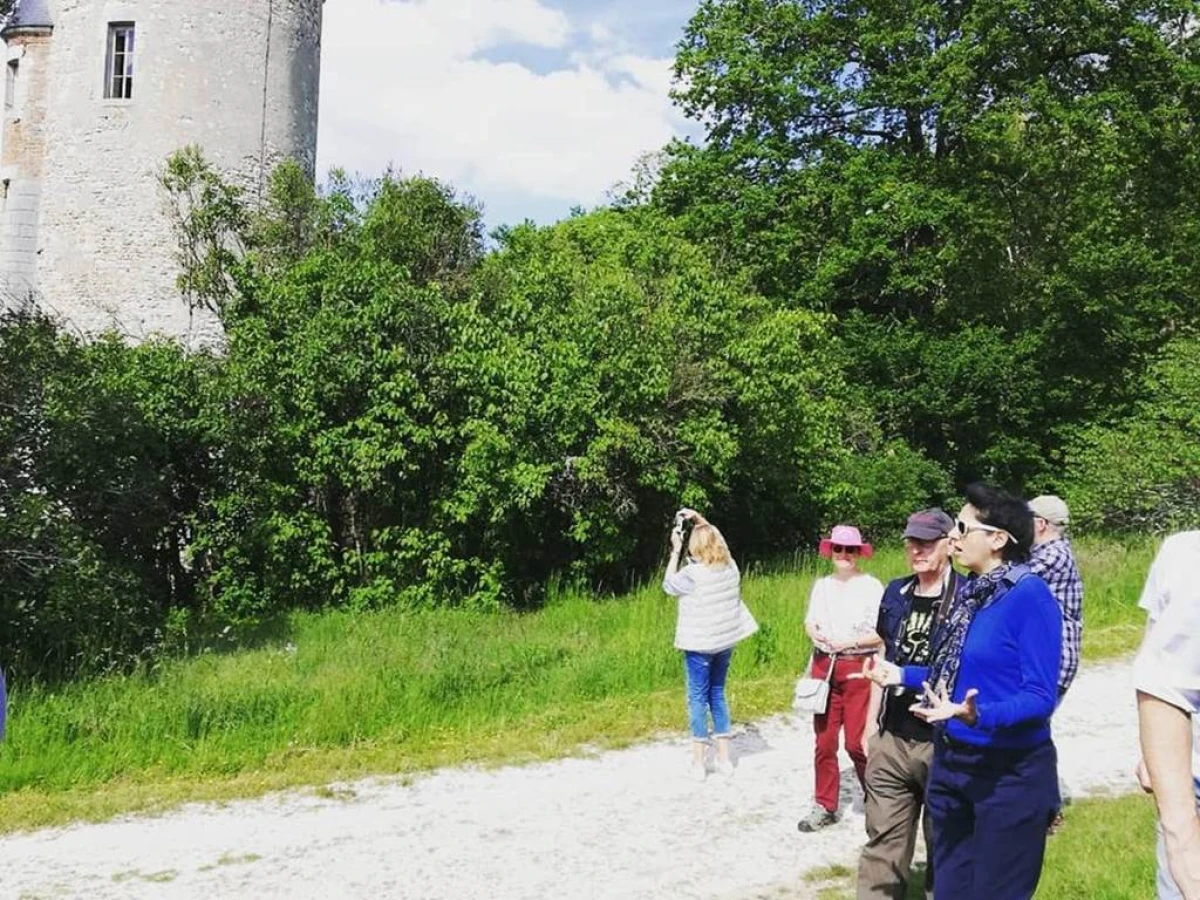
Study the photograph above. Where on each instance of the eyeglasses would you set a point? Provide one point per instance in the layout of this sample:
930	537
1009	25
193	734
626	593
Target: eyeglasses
844	548
962	529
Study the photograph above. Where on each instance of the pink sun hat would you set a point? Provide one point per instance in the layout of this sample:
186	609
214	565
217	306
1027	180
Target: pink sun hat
846	536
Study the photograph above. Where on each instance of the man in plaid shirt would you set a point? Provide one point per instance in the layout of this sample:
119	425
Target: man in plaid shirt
1052	559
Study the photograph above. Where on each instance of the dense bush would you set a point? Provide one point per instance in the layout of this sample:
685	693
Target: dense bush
404	418
103	464
1142	472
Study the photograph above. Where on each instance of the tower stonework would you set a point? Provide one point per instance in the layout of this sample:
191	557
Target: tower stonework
98	94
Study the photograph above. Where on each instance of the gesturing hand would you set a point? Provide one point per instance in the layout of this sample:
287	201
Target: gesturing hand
880	671
938	706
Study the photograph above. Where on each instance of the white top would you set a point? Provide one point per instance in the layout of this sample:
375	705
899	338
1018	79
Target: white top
1168	664
711	616
845	611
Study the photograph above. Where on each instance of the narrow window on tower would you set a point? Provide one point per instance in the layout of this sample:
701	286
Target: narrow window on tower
10	84
118	68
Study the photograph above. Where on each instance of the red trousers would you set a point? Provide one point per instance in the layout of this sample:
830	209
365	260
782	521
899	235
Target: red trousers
848	700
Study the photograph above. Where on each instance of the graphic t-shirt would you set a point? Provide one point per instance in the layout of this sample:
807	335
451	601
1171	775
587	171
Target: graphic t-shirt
912	649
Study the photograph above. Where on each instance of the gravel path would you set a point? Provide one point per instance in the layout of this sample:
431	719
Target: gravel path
619	824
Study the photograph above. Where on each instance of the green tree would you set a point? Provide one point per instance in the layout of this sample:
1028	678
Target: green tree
1142	472
616	375
952	181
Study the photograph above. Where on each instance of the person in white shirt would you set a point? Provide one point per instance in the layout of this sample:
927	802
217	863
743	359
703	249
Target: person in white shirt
841	617
1167	678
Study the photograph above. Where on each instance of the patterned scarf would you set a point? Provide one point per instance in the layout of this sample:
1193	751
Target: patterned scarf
950	637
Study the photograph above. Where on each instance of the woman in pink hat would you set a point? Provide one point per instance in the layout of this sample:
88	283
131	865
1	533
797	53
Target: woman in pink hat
842	613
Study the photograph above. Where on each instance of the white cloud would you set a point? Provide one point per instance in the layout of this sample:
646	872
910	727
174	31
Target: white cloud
404	82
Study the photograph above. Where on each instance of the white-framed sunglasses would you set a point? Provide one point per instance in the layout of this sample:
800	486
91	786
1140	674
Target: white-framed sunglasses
962	529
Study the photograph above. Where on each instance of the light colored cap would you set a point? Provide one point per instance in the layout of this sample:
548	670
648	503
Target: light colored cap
1051	508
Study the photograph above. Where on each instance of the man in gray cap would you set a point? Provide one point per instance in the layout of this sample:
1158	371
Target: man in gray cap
1053	559
899	755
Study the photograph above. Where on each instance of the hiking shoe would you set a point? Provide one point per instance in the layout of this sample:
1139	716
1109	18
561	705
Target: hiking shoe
724	768
1056	823
819	817
697	772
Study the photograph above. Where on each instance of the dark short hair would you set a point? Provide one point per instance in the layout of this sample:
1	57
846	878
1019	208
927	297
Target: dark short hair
1001	509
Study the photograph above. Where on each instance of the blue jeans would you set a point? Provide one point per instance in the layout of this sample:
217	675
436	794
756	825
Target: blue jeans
706	674
1167	889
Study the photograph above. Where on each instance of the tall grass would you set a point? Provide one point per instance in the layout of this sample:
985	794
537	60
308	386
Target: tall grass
342	694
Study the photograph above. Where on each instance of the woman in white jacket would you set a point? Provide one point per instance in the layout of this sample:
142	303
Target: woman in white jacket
711	619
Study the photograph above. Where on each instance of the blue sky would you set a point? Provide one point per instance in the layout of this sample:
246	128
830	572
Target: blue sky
532	106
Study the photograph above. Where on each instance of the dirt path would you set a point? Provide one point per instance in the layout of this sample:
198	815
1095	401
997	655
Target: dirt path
620	824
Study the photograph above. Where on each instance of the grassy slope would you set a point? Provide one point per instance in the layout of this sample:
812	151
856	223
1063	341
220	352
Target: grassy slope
346	694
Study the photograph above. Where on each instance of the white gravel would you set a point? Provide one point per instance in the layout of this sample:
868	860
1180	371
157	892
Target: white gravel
625	823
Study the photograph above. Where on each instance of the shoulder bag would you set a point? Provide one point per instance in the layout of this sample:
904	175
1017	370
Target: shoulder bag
812	694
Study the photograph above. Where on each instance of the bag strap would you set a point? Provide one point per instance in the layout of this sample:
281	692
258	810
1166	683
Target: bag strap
828	675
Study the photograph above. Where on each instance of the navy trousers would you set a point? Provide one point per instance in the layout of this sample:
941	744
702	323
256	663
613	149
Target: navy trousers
990	809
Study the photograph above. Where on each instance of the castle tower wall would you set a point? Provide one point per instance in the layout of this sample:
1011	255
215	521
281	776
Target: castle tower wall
239	78
22	158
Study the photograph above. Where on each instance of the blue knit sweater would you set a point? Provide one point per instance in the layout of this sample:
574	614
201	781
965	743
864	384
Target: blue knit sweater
1011	656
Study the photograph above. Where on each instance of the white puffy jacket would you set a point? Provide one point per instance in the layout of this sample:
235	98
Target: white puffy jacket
712	616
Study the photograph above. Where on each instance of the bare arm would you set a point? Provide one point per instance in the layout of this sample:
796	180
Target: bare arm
1166	733
872	726
678	588
870	641
673	562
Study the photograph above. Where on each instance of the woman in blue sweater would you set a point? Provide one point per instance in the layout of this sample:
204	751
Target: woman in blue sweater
991	690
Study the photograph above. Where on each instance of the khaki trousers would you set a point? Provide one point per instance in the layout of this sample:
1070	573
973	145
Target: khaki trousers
897	771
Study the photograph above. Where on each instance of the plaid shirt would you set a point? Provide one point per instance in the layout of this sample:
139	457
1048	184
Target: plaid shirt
1055	563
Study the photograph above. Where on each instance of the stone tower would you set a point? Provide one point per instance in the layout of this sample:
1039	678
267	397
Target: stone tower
98	93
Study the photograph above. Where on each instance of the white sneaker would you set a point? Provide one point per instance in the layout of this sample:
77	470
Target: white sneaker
725	768
697	772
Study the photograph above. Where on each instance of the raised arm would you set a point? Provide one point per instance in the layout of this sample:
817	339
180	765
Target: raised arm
677	582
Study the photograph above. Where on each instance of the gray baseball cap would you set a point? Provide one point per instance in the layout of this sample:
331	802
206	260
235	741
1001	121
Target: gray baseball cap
1051	508
928	525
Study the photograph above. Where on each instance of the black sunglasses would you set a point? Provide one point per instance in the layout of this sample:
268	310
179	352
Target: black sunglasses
843	548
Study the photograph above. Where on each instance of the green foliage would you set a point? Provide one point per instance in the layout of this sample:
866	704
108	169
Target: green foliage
403	420
993	198
1143	471
616	376
397	417
209	218
883	486
102	463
